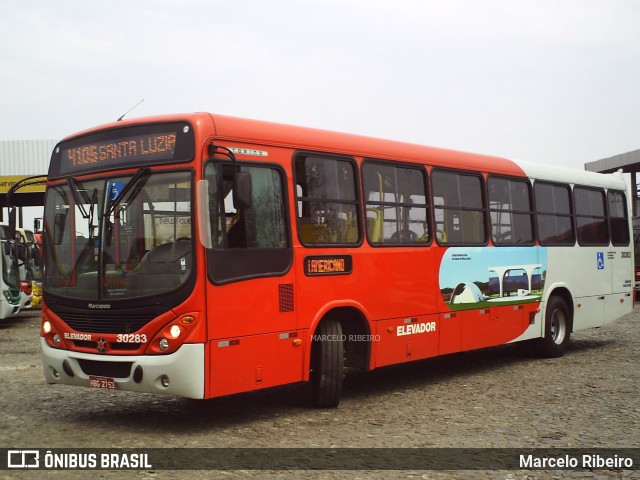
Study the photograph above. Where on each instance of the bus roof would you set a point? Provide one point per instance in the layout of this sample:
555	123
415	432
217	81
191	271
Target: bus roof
554	173
233	128
304	138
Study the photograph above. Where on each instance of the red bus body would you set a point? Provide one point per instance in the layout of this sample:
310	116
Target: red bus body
258	331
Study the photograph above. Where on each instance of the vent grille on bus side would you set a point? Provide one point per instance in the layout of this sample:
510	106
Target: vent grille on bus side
285	297
121	323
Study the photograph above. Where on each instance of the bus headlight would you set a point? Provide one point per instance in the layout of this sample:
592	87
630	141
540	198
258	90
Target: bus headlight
56	339
185	328
46	326
175	331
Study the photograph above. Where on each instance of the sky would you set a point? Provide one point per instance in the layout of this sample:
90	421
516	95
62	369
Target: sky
549	81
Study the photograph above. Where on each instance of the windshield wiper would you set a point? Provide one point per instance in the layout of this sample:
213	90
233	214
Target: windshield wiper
81	202
129	191
76	197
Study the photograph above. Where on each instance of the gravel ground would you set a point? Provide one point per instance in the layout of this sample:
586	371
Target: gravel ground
489	398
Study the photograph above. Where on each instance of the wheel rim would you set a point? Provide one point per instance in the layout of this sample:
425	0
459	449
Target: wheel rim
558	326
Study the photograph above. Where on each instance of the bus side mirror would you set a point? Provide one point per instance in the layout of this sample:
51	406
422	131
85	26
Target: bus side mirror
58	228
242	190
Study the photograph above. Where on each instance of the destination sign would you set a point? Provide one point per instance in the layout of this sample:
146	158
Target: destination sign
160	146
327	265
128	147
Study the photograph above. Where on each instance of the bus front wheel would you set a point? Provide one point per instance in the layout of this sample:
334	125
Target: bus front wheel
557	330
327	364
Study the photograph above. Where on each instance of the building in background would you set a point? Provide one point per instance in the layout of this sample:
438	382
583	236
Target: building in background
629	163
20	159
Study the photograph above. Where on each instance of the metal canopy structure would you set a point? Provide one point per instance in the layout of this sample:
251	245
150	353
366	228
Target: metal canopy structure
31	196
629	163
20	159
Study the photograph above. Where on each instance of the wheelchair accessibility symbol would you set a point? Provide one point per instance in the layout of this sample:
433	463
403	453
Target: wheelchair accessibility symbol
600	260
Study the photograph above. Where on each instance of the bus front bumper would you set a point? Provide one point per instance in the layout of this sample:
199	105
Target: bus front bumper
180	373
7	309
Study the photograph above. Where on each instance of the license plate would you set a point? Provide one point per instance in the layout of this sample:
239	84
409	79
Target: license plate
102	382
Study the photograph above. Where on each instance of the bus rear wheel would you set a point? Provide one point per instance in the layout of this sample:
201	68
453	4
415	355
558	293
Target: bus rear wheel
327	364
557	330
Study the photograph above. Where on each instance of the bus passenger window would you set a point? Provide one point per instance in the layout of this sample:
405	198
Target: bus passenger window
327	202
591	217
459	209
510	211
396	204
618	218
554	214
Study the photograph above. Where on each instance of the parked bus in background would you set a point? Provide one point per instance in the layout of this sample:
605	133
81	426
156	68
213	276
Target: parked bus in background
10	279
37	276
636	245
27	257
203	255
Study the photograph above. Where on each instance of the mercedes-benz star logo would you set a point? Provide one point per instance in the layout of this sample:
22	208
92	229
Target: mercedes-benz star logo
102	345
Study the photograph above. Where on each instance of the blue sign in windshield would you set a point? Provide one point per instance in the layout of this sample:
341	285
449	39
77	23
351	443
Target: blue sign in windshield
115	188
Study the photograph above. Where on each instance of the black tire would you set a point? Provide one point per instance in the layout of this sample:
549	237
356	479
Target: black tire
557	330
327	364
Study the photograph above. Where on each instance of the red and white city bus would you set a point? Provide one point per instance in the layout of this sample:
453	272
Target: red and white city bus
203	255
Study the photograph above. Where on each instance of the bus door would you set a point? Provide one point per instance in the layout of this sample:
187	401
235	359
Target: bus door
250	296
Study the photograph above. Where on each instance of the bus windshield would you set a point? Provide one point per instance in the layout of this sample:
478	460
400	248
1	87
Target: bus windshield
119	237
10	270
